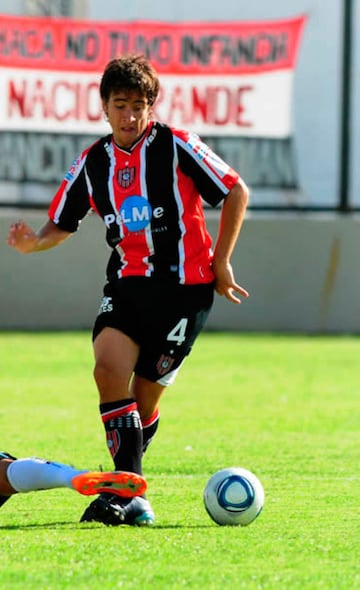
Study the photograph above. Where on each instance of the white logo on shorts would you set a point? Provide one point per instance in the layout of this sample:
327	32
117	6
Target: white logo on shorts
106	305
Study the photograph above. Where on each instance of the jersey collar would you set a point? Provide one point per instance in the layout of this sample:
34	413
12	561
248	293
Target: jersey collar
139	140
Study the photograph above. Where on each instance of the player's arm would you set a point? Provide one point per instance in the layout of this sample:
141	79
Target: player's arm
231	219
25	240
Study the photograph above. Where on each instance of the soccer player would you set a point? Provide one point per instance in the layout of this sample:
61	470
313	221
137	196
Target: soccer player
33	474
147	182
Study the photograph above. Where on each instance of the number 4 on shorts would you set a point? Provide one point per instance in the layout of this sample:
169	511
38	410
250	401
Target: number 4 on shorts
177	334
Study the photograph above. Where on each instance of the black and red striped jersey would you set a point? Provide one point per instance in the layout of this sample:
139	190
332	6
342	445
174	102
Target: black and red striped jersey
150	199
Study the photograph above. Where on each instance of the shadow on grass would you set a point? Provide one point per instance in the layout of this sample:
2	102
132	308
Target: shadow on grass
90	526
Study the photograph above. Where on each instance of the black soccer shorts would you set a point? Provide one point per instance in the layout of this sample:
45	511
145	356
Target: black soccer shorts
163	318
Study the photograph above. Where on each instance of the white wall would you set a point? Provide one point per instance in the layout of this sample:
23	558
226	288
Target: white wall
301	273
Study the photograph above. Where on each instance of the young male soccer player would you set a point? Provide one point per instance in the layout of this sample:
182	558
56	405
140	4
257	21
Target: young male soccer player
33	474
146	181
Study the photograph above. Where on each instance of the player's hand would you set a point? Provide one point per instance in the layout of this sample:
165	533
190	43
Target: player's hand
22	237
225	284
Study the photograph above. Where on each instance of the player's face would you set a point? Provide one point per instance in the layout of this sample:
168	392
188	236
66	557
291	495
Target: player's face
128	115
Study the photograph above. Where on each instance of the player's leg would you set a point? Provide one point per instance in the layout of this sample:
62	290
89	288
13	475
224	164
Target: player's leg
124	323
115	358
34	474
147	395
170	334
137	511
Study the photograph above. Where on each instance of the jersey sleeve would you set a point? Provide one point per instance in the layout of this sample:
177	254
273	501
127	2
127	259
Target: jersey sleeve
71	202
213	177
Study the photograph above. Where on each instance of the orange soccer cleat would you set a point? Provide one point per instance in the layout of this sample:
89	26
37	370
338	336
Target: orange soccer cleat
121	483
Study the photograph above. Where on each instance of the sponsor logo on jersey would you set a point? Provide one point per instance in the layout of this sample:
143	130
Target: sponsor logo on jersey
126	176
152	136
72	171
135	214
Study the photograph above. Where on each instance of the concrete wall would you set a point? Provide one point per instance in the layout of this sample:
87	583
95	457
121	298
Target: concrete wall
301	272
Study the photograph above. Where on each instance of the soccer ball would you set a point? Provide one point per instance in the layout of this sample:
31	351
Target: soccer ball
234	496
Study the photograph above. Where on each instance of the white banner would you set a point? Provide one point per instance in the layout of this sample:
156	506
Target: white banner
219	79
253	106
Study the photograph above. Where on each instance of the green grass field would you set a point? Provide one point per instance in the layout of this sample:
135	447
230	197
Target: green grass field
285	407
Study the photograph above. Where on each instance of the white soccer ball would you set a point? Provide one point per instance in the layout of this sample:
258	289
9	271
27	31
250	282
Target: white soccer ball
234	496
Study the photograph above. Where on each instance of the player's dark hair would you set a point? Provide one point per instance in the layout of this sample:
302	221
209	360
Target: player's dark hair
130	73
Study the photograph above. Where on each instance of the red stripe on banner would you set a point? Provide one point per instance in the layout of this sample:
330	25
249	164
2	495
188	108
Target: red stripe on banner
64	44
106	416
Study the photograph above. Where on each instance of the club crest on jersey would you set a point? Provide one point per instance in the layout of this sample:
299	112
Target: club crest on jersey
164	364
126	176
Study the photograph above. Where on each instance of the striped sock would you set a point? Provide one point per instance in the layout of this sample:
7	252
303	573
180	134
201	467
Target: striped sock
123	434
150	426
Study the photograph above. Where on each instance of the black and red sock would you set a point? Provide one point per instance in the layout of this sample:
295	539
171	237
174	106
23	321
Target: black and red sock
150	426
124	434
